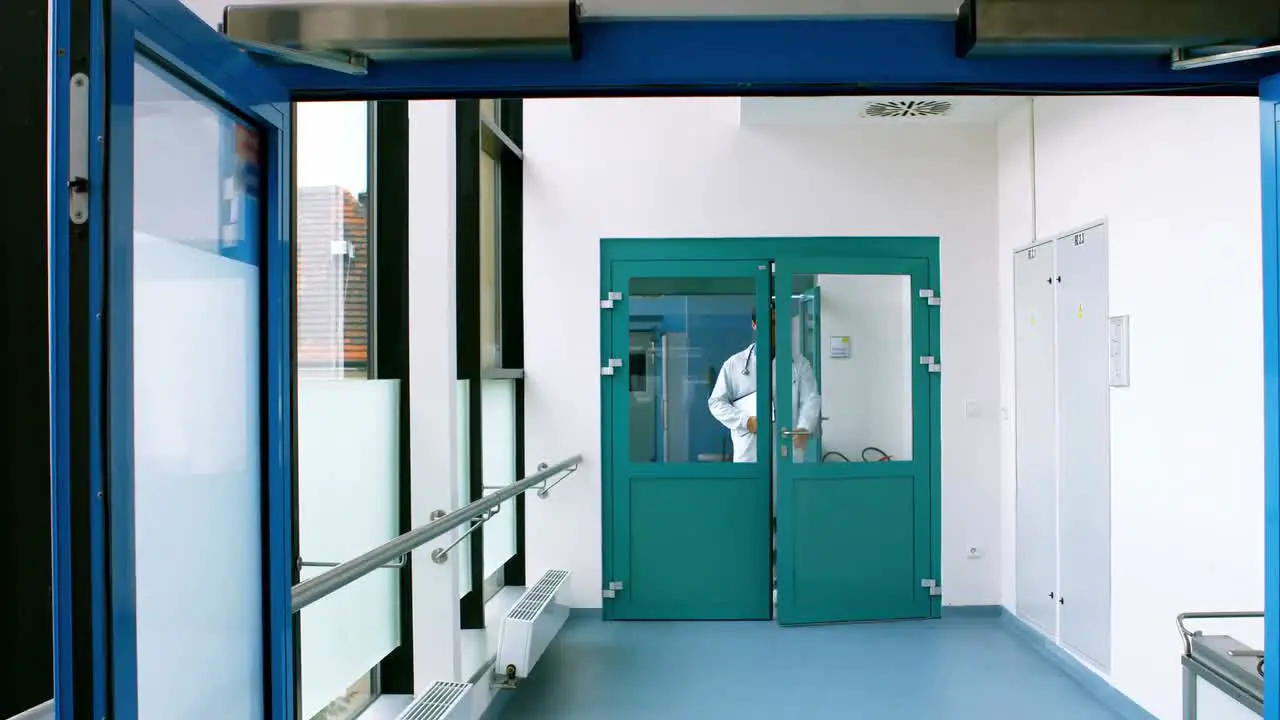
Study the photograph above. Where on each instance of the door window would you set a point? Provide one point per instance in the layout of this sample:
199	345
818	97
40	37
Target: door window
851	394
683	331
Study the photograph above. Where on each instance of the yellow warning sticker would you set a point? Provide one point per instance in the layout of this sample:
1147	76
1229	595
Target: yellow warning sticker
1033	318
1080	312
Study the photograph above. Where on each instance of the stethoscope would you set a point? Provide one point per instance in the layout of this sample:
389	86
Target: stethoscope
751	352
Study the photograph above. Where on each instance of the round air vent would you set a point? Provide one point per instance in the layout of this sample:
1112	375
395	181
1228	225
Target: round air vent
907	109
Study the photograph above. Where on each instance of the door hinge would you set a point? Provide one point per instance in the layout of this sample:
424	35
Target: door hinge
610	366
932	586
931	297
612	590
610	299
932	362
78	150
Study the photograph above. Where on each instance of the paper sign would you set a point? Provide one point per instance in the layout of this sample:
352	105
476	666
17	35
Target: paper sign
840	346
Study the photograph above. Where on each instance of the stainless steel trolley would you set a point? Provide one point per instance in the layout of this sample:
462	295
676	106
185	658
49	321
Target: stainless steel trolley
1221	676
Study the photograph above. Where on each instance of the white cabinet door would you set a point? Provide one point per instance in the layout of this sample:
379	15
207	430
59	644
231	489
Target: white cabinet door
1037	509
1084	446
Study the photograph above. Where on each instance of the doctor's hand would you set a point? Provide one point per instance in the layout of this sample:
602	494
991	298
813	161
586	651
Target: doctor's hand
751	424
800	440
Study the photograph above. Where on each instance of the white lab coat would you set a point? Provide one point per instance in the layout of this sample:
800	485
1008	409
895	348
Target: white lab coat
732	385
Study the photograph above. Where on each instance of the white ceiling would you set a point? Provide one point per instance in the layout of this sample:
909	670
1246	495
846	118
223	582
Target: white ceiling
826	111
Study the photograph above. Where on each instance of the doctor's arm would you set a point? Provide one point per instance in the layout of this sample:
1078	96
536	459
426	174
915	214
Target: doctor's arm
810	403
721	405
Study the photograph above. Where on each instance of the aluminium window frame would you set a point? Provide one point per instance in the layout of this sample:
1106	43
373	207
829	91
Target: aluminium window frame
500	138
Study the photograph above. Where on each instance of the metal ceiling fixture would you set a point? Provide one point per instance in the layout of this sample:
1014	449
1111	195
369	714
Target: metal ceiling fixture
907	109
346	35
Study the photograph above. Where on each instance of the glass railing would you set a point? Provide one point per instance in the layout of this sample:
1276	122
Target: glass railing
348	501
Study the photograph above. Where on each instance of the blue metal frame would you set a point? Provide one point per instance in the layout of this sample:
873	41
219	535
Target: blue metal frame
736	57
60	312
1269	91
192	51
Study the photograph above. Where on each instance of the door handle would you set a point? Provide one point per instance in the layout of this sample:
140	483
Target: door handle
794	433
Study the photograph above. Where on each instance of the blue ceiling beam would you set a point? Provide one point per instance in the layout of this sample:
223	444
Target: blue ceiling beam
771	56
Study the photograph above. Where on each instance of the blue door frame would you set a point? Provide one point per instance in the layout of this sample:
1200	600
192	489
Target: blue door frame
92	343
1269	93
705	57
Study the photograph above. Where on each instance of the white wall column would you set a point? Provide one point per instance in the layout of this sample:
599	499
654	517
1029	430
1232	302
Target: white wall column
433	397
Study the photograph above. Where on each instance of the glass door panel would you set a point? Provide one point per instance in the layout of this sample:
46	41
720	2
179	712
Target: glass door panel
197	401
188	244
689	481
852	500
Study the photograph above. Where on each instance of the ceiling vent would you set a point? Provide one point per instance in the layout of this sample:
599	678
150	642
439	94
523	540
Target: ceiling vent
907	109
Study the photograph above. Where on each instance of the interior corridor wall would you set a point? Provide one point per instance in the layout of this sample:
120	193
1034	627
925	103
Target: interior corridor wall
684	168
1177	180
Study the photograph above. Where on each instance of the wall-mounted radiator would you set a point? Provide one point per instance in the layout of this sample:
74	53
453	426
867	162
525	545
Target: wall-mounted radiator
529	627
441	701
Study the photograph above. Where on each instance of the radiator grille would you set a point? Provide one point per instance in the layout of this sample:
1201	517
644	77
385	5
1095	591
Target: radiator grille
436	703
536	598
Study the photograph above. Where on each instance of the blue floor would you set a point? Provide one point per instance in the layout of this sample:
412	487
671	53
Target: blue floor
958	668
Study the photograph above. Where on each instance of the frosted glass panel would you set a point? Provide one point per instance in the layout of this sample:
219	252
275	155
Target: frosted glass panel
197	402
348	502
462	554
498	415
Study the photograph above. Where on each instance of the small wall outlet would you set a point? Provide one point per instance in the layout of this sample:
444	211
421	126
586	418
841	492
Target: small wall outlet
975	552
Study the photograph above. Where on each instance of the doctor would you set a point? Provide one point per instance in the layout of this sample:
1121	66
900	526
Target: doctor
737	380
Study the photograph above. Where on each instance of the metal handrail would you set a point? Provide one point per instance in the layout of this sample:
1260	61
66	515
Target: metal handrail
1227	615
309	591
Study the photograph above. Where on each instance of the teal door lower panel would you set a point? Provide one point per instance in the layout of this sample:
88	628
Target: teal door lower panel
690	528
854	445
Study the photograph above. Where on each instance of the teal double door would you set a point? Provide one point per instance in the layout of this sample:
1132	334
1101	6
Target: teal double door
770	434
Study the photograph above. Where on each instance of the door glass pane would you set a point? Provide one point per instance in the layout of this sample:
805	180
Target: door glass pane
197	404
851	368
686	405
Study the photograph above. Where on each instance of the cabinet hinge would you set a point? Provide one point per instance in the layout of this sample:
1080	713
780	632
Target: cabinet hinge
932	362
612	590
78	150
932	585
610	299
610	365
932	297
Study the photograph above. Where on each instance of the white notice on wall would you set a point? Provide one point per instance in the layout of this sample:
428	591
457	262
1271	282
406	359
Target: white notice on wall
840	347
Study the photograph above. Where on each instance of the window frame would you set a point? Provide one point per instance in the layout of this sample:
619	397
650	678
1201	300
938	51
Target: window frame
387	217
498	137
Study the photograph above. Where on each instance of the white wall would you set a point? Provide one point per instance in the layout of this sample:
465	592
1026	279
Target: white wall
434	460
683	167
1177	180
